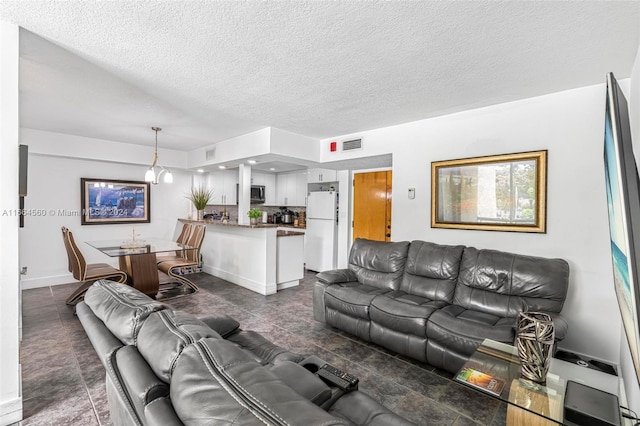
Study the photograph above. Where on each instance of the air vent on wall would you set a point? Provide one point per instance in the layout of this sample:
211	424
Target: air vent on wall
352	144
210	154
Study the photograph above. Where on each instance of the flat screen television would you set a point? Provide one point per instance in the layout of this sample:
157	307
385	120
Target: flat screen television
623	201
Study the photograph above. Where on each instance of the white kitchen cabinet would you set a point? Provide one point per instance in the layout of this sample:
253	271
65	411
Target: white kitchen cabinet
269	189
223	183
257	178
322	175
291	189
301	189
268	180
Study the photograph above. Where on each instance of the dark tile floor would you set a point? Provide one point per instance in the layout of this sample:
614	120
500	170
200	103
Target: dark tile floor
63	379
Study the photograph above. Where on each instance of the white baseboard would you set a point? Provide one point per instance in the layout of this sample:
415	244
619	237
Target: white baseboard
28	283
241	281
10	411
288	284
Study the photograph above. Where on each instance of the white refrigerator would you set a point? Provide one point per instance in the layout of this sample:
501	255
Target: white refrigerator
320	246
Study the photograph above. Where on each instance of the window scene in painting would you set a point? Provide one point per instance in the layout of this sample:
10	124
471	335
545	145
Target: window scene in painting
488	193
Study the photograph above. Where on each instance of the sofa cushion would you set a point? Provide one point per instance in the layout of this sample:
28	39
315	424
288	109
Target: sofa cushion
462	330
216	382
404	312
122	308
378	263
504	284
431	270
264	351
165	334
352	298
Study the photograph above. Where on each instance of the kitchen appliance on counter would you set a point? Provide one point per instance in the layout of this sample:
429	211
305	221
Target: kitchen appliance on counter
320	247
288	216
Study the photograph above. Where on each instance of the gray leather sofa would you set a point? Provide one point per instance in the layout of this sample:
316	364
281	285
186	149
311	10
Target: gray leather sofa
166	367
437	303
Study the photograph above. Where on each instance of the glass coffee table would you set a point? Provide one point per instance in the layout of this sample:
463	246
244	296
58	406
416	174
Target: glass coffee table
494	368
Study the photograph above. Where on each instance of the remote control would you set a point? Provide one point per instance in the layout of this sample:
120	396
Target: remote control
335	376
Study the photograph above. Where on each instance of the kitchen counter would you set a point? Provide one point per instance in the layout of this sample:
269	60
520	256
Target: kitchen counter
263	258
259	225
287	233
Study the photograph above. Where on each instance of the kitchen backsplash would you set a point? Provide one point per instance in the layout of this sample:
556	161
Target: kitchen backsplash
233	210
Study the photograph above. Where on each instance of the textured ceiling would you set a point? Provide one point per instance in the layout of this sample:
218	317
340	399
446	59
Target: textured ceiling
206	71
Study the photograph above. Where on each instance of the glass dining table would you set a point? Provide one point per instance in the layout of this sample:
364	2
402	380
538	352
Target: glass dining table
138	259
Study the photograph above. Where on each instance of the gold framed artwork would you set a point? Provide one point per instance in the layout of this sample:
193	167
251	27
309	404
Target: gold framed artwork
494	193
110	201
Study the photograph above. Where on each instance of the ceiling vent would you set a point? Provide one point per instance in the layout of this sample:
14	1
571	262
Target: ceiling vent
210	154
352	144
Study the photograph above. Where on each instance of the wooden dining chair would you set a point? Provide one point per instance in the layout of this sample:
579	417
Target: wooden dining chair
87	273
184	236
189	257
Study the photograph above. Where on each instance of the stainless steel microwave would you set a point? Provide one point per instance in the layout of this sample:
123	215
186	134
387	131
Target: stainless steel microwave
257	194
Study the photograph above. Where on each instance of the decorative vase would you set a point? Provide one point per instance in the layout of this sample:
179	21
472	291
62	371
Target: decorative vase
200	214
535	335
253	221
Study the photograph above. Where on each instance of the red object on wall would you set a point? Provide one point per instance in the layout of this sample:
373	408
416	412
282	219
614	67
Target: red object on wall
333	146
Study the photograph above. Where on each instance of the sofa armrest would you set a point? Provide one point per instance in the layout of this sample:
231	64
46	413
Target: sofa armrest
560	325
337	276
360	409
302	381
224	325
160	412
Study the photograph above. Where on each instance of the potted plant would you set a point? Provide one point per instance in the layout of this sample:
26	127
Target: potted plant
200	197
254	214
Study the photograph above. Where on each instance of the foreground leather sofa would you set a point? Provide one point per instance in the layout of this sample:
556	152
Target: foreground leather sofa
437	303
166	367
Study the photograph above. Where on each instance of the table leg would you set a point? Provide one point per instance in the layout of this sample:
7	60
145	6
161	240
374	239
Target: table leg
142	270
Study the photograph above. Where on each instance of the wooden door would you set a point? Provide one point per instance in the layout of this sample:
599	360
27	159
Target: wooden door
372	206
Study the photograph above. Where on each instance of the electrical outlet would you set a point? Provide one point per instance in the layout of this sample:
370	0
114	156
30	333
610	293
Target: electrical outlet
412	193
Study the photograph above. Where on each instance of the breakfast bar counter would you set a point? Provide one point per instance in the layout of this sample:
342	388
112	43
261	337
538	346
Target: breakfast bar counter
261	257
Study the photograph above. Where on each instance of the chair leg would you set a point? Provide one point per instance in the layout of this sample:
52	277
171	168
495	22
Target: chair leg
183	280
78	294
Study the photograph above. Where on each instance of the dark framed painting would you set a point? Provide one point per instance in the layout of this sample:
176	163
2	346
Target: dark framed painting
107	202
494	193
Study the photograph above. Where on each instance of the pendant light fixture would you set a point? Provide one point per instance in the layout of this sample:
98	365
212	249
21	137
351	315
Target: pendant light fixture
151	175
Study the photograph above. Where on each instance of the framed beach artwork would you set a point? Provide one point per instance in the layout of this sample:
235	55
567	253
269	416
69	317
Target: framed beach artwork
107	202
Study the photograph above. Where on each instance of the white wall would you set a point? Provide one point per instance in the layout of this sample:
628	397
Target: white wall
54	184
10	394
570	126
63	145
250	144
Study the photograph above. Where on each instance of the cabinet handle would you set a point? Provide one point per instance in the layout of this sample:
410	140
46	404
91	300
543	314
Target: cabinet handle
320	177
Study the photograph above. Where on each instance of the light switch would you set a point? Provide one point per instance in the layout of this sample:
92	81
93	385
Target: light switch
412	193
